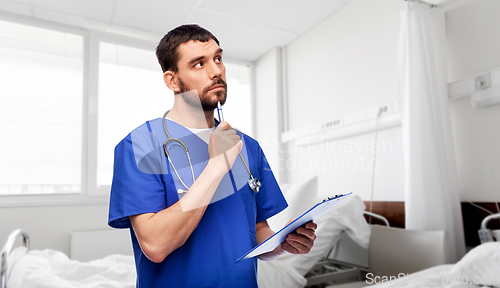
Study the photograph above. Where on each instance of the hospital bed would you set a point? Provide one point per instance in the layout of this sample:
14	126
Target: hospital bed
478	268
346	261
22	267
410	258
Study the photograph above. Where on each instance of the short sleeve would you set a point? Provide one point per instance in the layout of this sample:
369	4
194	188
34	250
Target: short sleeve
136	187
270	200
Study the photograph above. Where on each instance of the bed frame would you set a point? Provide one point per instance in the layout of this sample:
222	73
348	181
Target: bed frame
337	271
7	250
472	216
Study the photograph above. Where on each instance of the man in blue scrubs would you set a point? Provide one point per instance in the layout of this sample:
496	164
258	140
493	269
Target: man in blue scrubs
190	233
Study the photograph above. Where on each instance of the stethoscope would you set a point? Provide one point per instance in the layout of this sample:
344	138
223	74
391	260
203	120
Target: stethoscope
254	183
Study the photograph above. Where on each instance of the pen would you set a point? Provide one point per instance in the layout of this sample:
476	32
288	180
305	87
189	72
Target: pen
254	183
219	111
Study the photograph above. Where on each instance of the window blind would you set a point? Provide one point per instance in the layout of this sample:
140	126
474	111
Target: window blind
41	84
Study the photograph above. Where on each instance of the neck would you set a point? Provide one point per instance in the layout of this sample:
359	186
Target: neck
189	116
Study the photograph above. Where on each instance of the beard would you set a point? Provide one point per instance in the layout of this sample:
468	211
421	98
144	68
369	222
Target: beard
193	98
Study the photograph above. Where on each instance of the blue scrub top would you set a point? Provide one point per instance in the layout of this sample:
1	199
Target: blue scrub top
144	182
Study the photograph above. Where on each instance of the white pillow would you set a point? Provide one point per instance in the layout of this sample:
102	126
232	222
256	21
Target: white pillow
300	196
481	266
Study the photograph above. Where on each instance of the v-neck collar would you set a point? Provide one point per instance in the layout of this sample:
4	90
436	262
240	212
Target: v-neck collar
188	131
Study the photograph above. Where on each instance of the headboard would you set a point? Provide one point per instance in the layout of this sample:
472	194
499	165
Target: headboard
472	217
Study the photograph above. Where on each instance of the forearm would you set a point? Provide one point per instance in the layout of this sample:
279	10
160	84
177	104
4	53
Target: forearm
159	234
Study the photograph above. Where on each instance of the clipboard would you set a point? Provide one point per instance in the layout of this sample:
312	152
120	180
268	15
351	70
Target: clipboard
279	237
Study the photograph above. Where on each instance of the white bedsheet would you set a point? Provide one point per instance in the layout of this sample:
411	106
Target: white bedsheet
53	269
478	268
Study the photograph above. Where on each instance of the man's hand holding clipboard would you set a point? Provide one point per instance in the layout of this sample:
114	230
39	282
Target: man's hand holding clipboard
281	236
300	241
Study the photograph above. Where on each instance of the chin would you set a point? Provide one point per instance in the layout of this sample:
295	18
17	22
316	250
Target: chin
221	96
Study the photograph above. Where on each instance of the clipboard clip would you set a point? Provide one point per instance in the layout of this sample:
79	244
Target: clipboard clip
330	198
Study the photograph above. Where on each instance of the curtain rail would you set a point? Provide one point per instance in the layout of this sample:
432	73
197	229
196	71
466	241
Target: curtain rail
423	2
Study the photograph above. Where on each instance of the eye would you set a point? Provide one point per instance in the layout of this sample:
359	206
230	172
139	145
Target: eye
198	65
218	59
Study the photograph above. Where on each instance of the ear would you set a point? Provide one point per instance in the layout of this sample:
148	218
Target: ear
171	81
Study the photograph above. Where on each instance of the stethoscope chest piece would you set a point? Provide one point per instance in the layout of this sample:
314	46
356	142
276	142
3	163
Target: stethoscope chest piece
254	184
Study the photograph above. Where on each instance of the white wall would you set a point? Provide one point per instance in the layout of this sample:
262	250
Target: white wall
346	64
267	103
473	32
49	227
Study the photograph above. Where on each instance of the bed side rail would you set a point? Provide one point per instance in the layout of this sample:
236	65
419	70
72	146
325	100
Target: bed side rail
7	249
488	218
485	234
379	217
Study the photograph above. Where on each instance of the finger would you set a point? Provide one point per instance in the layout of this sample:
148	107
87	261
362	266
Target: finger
224	126
296	247
293	247
289	248
311	225
309	233
234	137
229	132
299	239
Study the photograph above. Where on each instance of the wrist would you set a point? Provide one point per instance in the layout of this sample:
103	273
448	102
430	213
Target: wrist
278	250
271	255
217	165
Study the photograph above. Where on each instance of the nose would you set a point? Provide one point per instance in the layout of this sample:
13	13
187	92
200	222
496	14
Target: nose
215	69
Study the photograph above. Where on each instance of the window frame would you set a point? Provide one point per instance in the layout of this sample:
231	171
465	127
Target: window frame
92	133
90	193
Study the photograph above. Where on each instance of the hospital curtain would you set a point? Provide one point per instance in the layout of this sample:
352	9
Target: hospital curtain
431	185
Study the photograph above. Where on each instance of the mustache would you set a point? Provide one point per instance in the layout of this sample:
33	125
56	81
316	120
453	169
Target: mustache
217	81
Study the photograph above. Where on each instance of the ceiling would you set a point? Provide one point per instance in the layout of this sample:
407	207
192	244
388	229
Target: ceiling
245	28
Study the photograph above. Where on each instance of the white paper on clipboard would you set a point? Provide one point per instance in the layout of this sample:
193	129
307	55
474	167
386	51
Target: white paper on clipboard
277	238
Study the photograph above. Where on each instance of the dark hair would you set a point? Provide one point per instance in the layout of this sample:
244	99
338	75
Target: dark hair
166	51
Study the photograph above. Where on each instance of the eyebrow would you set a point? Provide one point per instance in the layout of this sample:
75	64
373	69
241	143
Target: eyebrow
219	51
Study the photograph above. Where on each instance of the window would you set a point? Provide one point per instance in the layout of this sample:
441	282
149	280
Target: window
131	91
41	73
